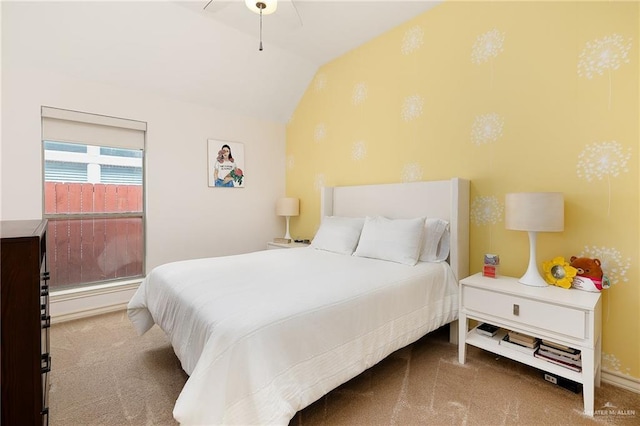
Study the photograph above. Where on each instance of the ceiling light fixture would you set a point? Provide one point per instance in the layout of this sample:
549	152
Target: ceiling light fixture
263	7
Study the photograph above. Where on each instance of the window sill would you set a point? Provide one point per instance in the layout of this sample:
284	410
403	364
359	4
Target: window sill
93	300
94	290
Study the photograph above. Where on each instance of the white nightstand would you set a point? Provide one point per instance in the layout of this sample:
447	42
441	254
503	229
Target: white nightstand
569	317
273	246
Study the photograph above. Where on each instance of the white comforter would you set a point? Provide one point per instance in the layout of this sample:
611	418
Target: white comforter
262	335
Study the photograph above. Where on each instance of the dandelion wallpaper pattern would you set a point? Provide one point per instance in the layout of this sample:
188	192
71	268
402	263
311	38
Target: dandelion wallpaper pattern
359	93
487	47
487	128
412	40
604	54
514	96
359	150
412	107
486	210
602	160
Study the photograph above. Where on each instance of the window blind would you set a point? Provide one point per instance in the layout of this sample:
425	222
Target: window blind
73	126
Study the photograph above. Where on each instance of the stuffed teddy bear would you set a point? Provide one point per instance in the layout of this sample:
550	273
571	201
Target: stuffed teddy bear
590	276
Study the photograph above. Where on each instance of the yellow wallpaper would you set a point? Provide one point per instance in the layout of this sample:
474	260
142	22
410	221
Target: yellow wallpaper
515	96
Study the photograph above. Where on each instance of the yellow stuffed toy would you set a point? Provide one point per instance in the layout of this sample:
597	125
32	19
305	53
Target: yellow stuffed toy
559	272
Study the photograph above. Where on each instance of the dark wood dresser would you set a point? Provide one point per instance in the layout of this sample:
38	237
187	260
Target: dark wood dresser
24	351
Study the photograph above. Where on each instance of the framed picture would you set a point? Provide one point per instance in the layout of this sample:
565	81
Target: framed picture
225	163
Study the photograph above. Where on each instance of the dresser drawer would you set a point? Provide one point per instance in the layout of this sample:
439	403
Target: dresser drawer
535	313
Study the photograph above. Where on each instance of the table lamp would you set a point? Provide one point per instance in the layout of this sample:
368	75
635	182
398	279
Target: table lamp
534	212
288	207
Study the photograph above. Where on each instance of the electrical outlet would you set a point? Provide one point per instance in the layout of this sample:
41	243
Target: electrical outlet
551	379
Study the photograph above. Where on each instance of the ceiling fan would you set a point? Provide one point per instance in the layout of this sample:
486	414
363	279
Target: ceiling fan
263	7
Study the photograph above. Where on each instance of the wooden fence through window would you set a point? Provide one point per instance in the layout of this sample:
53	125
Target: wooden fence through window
81	251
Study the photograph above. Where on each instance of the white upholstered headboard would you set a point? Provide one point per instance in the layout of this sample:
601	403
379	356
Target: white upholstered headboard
445	199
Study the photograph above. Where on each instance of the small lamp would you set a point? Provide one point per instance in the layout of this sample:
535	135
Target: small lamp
288	207
534	212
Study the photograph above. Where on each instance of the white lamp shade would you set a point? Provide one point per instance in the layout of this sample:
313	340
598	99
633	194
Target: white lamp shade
288	207
270	6
534	211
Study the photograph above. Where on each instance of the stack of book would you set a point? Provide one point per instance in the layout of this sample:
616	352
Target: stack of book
560	354
487	329
521	342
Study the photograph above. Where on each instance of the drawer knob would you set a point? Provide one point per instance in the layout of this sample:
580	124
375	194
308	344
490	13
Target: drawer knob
516	309
45	363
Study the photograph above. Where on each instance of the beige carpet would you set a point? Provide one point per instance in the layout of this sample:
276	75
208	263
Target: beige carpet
104	374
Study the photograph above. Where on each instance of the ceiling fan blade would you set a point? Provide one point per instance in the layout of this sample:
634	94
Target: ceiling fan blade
215	6
293	3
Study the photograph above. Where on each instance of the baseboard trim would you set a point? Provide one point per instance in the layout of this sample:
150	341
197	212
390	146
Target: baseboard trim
92	312
625	382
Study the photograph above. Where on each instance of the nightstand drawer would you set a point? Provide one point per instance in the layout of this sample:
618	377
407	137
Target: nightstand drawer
534	313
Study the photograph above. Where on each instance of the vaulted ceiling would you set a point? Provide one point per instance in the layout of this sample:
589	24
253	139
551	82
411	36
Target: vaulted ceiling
208	56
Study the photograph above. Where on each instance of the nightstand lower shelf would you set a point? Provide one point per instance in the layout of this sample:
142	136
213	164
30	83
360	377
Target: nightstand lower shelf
492	345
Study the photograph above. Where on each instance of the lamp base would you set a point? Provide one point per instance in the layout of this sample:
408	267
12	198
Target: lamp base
287	235
532	277
533	280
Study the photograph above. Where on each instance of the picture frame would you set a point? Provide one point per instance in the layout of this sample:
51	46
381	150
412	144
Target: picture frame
225	164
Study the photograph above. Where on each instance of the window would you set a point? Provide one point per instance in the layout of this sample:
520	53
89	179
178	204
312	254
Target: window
93	197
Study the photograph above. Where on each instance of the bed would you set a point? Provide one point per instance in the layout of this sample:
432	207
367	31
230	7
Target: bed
263	335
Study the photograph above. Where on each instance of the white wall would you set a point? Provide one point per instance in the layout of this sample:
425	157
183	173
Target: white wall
185	217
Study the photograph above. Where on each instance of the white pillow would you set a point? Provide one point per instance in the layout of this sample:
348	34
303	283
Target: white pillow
443	247
435	246
338	234
396	240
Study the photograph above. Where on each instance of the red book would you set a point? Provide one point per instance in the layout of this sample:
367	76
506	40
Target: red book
555	361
